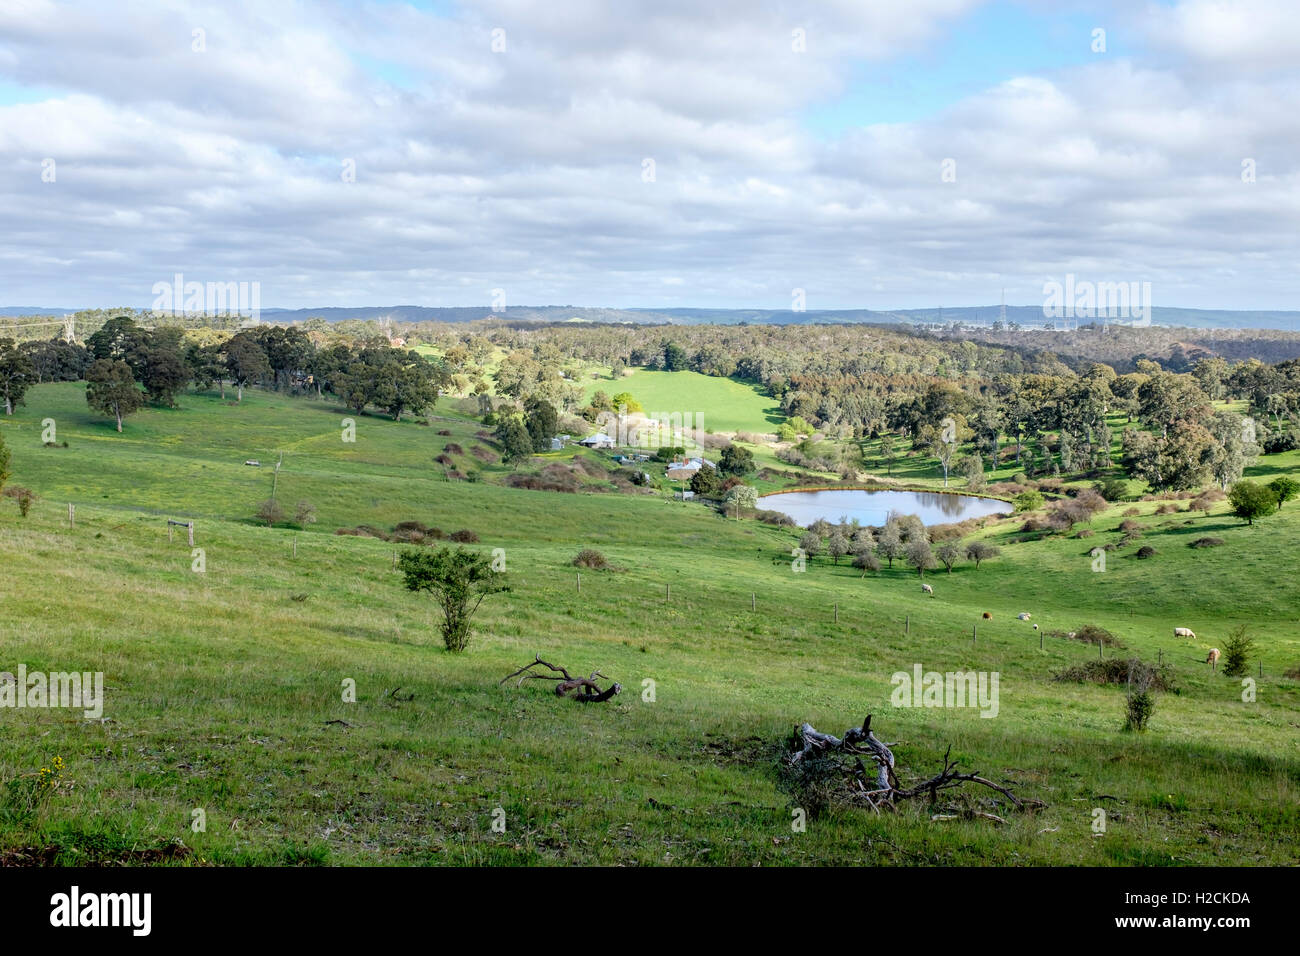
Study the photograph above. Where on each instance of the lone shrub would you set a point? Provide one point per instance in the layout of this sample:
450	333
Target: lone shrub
1139	706
23	496
1206	543
590	558
270	512
463	536
304	513
1237	648
459	580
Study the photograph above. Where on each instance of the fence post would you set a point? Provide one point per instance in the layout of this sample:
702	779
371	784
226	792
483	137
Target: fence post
973	638
668	592
72	512
907	625
837	612
753	601
295	547
578	575
190	528
1040	639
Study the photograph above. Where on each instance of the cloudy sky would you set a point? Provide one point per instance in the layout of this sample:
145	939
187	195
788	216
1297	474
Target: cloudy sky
890	154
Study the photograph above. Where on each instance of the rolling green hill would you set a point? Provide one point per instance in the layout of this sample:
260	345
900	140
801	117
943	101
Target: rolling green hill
224	686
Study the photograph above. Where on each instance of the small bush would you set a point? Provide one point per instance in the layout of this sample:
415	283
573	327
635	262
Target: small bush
1129	526
304	513
1132	512
1146	551
1028	501
590	558
1085	533
453	449
23	496
1090	634
1117	670
444	432
1237	648
270	512
1139	706
1206	543
464	536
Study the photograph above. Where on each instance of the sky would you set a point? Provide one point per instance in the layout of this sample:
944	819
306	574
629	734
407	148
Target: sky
674	153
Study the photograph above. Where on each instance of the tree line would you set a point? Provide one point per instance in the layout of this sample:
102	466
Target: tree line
126	366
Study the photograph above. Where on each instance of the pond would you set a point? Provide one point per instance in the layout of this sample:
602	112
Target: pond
873	507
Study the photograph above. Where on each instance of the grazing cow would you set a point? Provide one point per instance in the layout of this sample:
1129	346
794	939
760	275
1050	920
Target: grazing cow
927	589
1035	627
988	616
1213	657
1184	632
1023	615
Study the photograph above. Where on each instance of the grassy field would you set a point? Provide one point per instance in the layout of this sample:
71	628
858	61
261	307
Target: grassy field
721	404
224	687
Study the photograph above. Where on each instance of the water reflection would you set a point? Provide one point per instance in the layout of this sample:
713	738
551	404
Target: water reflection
873	507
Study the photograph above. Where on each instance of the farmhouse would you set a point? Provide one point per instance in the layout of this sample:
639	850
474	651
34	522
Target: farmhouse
684	470
598	440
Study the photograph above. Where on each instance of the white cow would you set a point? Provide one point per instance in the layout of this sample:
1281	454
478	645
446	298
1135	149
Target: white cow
927	589
1023	615
1184	632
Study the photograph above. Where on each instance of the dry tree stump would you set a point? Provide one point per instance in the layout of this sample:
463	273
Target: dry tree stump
584	689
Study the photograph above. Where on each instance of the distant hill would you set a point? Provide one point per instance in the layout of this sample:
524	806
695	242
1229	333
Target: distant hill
1025	316
13	311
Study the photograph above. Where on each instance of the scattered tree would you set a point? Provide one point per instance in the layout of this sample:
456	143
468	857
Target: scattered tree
949	553
1250	501
1284	489
111	389
304	514
16	374
978	551
459	580
736	460
919	555
270	512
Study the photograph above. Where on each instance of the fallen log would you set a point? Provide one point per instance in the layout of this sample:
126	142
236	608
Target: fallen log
584	689
885	791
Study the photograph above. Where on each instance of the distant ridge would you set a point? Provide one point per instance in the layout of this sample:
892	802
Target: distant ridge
979	316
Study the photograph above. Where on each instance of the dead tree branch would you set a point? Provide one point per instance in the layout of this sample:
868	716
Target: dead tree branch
584	689
883	790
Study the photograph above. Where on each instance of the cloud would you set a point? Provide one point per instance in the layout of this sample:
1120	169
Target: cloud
525	169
